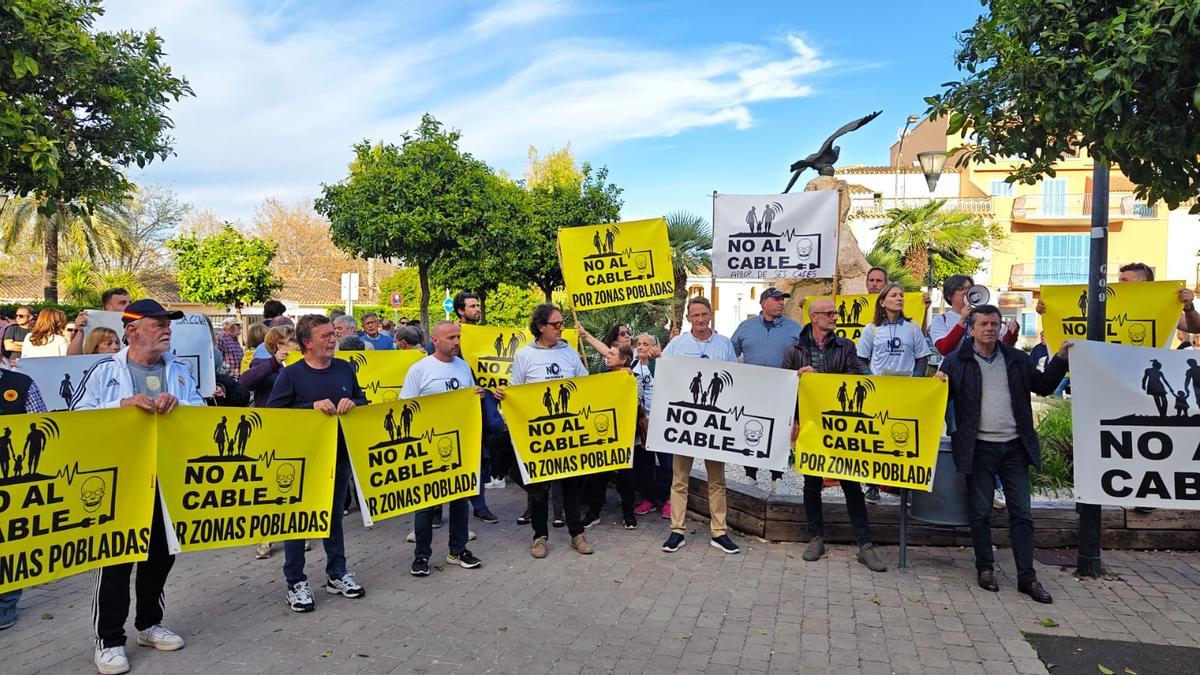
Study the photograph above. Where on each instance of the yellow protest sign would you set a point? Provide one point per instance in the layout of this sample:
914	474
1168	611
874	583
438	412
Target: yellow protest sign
489	350
855	311
380	372
881	430
76	493
572	427
415	453
241	476
1142	314
616	264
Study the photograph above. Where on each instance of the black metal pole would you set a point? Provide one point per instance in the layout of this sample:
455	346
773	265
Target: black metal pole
1088	562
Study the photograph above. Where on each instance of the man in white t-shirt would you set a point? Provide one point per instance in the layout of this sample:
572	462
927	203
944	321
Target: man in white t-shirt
440	372
703	343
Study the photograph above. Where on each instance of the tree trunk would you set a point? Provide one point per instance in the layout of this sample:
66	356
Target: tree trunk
548	292
482	293
50	248
237	311
423	276
679	306
917	262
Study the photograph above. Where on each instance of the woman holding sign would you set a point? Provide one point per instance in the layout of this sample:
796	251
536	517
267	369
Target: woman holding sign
892	343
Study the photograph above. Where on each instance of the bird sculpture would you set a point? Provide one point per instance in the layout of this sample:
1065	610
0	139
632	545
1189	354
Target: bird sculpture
822	160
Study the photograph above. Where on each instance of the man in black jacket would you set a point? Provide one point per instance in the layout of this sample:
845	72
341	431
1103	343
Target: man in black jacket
820	350
990	384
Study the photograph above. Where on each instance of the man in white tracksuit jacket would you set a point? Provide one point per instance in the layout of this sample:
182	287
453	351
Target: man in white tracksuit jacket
143	375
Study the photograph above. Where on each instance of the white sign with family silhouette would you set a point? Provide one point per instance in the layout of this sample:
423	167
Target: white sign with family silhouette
1136	424
788	236
717	410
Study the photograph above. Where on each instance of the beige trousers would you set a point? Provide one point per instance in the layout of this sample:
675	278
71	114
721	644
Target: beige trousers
681	471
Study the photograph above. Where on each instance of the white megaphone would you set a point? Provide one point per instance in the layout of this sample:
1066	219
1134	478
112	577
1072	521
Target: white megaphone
978	295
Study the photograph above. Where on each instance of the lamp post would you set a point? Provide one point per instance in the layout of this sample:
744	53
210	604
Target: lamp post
911	120
932	163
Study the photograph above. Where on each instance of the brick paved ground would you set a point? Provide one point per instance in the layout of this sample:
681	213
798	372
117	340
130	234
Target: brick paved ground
628	608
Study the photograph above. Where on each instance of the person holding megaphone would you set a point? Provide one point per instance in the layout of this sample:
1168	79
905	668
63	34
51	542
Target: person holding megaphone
949	329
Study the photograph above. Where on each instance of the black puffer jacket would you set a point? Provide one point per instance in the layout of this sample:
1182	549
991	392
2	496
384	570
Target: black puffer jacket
840	354
966	390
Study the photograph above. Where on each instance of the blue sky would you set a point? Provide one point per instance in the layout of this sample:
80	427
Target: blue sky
676	98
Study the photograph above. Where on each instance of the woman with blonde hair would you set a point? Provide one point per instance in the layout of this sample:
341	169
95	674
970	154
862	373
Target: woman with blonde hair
102	340
46	338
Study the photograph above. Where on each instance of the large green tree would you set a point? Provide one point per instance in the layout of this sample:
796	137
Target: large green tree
227	268
99	233
691	252
1122	79
560	202
77	106
411	202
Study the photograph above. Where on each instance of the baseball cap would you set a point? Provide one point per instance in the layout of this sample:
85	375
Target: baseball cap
773	292
147	308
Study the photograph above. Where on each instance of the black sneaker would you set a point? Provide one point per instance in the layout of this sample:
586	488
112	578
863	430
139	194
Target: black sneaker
674	543
591	521
558	520
485	514
464	559
872	495
630	523
437	518
420	567
524	518
726	544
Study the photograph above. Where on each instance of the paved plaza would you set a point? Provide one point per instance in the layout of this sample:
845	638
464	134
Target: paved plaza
630	608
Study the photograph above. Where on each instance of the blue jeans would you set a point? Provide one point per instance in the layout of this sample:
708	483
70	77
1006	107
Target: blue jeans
335	543
423	523
9	600
1010	462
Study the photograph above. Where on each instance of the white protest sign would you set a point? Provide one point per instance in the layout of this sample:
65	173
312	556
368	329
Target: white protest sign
192	345
728	412
788	236
58	377
99	318
1135	416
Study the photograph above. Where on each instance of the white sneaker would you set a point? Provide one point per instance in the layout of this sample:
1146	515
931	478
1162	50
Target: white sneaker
300	597
471	535
161	638
111	660
998	500
495	484
412	537
346	586
263	551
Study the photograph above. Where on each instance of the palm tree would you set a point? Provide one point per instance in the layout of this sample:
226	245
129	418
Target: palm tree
915	233
893	266
691	252
102	230
78	279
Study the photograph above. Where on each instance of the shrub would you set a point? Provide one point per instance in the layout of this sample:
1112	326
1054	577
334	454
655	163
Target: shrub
1058	451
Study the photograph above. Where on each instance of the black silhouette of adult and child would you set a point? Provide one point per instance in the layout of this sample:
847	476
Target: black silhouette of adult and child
403	430
706	396
852	402
604	246
31	453
762	225
557	405
226	444
507	350
1155	384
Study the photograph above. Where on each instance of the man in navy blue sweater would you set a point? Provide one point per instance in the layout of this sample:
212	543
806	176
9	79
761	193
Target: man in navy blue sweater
330	385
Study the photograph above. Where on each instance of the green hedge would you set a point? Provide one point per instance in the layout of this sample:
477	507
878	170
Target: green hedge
8	309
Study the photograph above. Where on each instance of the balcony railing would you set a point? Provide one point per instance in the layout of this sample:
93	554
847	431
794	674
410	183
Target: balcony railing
877	207
1079	206
1025	275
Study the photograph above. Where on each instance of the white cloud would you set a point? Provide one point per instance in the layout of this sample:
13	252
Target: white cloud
282	95
513	13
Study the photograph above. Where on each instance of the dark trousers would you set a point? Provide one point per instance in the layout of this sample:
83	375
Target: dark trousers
110	608
501	455
460	511
596	491
335	543
1010	462
856	507
652	475
539	505
752	473
479	501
